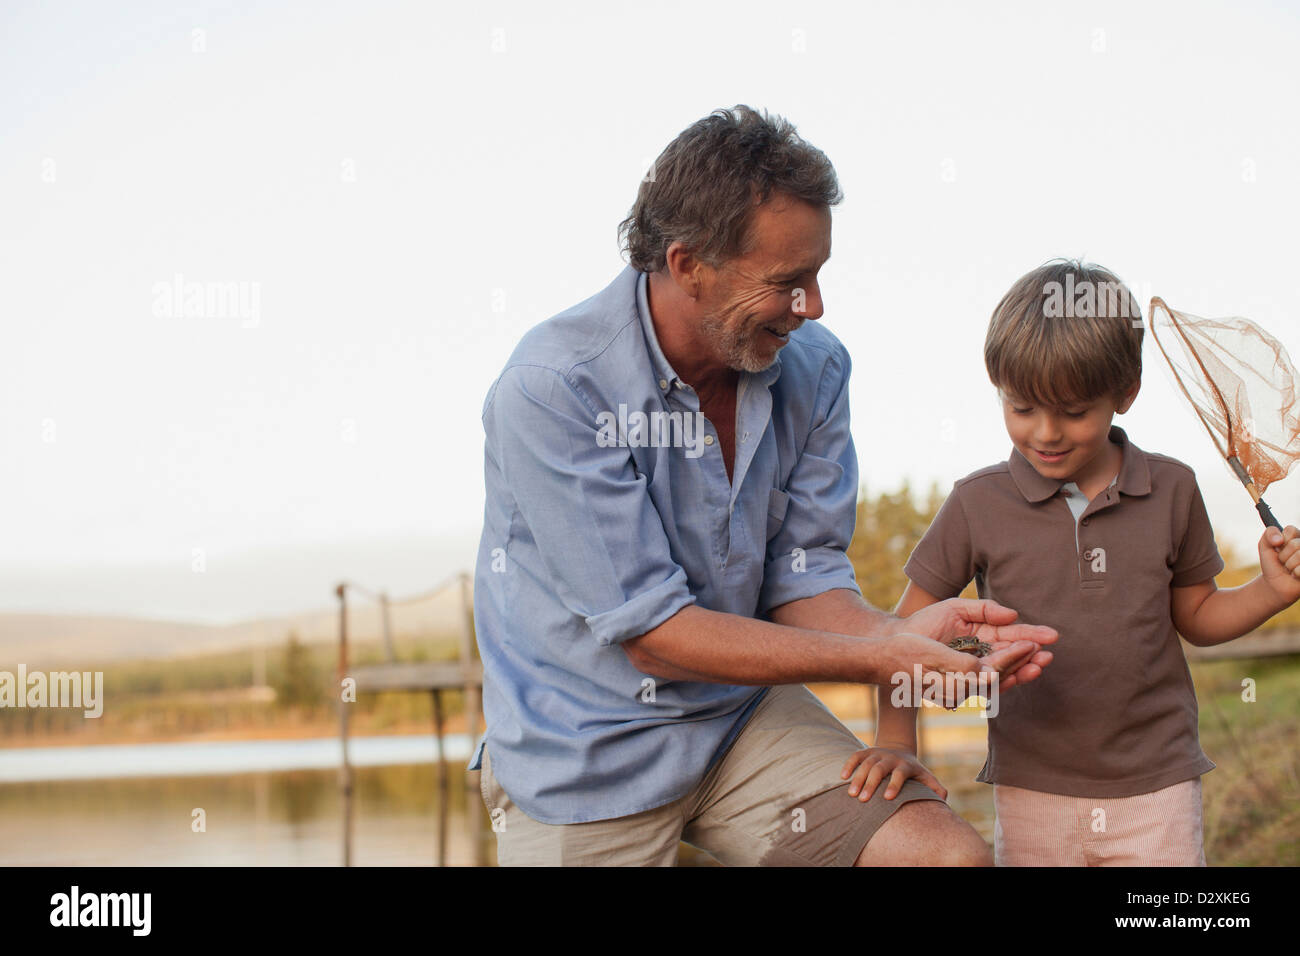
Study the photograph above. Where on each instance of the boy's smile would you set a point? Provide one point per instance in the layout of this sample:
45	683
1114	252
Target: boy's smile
1067	444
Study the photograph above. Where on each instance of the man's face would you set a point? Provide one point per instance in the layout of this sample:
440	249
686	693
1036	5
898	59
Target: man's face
751	303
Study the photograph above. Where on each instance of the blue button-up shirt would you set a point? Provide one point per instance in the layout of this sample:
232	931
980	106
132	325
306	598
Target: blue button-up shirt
608	511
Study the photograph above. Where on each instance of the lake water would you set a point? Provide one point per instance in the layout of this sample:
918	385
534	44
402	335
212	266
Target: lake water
264	803
25	764
272	803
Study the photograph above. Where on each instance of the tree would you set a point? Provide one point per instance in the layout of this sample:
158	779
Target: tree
297	685
889	526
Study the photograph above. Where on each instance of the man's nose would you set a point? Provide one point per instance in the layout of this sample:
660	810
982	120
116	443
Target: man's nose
807	301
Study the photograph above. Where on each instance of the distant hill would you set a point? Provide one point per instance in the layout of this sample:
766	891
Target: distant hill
72	640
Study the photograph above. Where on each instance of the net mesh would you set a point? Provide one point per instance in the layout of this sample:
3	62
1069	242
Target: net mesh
1241	383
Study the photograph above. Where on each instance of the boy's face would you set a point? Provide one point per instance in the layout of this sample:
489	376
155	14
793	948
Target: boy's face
1065	444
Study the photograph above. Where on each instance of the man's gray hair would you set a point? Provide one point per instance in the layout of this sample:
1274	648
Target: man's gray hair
704	187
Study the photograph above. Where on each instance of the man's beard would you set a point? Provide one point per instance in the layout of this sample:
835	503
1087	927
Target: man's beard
736	344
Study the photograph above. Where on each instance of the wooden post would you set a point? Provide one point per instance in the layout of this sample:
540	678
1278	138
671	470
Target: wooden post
388	627
473	705
443	808
345	771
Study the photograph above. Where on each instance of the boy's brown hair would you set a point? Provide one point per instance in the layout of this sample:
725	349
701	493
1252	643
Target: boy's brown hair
1065	334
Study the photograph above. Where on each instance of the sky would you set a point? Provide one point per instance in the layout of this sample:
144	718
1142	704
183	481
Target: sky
375	200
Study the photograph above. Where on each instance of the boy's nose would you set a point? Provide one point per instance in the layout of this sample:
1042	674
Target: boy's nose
1048	431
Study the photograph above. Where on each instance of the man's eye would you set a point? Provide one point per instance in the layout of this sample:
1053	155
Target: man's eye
1021	411
1079	414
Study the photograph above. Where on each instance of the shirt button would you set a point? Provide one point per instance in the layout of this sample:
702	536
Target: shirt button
663	383
708	439
1086	520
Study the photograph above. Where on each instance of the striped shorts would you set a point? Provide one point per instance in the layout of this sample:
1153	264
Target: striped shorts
1161	828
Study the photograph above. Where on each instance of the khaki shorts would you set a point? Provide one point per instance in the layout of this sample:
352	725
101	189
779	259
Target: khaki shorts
775	798
1161	828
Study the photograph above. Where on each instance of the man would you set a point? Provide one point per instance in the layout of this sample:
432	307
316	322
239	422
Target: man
671	487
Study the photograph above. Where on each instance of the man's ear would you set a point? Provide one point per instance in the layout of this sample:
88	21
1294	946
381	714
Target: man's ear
1126	400
685	268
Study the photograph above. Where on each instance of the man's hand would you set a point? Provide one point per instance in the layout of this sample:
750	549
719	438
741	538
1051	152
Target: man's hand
1017	648
900	655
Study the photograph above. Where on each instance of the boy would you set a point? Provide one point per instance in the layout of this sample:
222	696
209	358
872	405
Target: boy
1097	762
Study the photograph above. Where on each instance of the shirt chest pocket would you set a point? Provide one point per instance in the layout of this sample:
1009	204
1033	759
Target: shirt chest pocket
777	503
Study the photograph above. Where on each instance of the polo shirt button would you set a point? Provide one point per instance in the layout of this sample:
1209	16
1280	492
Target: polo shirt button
708	439
1086	520
663	383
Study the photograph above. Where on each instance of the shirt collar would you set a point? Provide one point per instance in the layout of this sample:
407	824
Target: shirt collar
664	372
1134	474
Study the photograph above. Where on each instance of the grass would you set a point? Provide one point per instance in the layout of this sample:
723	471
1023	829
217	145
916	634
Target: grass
1252	815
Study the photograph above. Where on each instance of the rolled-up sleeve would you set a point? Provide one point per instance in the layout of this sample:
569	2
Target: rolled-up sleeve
601	540
808	555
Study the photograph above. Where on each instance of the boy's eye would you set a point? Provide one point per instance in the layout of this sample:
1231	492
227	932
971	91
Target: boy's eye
1021	411
1078	414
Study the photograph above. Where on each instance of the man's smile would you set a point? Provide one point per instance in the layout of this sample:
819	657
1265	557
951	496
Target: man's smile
781	336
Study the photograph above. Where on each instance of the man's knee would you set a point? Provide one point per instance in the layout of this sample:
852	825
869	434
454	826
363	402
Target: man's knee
925	833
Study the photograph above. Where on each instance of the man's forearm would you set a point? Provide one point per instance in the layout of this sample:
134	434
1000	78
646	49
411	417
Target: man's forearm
841	611
702	645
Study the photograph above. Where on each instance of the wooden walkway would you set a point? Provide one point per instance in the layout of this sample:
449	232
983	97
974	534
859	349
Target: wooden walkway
429	677
1271	643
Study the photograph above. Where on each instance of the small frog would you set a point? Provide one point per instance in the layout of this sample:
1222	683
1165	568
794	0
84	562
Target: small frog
971	645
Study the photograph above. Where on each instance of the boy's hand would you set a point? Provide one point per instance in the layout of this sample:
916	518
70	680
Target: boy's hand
1279	562
1017	660
876	763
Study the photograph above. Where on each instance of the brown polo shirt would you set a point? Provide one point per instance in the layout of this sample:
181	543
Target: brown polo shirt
1114	714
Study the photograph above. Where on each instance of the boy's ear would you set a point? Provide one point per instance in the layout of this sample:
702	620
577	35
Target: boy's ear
1127	398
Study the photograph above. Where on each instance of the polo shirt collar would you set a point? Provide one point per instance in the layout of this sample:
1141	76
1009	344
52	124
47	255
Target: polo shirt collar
1134	473
663	369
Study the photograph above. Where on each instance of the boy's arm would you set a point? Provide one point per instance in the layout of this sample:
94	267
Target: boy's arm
1205	615
896	726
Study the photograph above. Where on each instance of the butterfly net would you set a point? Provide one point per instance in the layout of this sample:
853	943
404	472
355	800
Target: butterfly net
1242	385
